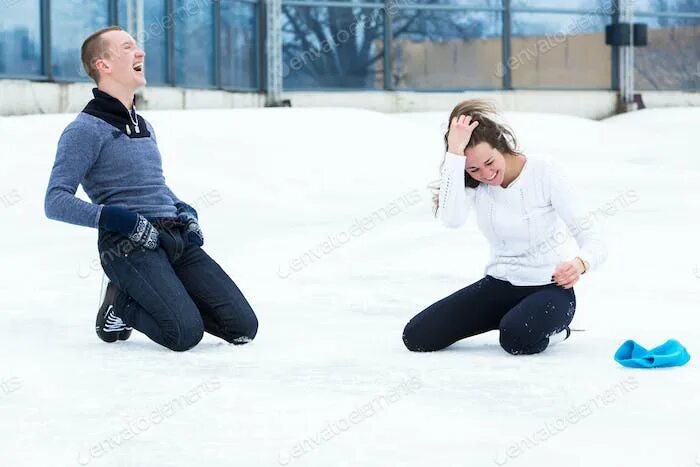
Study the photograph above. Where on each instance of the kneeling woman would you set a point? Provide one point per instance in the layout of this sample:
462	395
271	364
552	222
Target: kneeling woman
519	202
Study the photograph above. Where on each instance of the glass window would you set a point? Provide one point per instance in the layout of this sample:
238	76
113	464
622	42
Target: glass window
194	43
20	38
467	3
408	3
560	51
346	1
671	58
435	49
332	47
606	6
154	38
71	23
122	10
667	6
239	44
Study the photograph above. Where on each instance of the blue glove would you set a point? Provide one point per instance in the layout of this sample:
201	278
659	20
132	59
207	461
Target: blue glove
670	353
187	216
130	224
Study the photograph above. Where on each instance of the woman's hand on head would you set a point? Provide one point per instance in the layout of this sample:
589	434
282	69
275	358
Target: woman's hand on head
460	133
568	273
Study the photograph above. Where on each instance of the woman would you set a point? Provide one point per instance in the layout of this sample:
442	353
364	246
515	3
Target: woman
519	202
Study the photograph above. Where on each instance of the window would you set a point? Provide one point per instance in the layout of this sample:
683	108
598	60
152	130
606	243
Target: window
154	38
560	51
667	6
194	43
447	49
585	5
71	23
332	47
20	38
671	58
239	44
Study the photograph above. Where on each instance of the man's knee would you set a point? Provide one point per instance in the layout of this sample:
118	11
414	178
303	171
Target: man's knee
249	331
244	331
186	337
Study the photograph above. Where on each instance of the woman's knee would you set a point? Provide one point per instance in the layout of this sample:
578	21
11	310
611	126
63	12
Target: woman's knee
416	340
409	338
521	343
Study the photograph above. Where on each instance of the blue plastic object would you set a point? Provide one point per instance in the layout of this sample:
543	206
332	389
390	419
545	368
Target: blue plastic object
670	353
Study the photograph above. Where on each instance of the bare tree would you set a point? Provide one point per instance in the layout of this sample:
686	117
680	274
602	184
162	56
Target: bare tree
343	46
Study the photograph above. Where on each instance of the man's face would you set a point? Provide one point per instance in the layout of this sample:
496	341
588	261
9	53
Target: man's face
123	60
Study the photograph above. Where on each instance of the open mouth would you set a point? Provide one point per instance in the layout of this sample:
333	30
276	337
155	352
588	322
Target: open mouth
138	67
493	177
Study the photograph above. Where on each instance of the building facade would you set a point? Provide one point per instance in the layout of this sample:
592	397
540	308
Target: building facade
392	45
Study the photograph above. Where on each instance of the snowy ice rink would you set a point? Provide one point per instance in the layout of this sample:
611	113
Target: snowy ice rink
323	219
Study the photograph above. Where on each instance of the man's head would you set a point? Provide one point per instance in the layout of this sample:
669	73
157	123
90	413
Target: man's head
111	54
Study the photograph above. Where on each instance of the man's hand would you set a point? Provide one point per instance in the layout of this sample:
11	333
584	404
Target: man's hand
130	224
187	216
566	274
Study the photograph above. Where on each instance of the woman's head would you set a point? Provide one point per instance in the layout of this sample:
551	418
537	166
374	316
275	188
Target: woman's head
488	146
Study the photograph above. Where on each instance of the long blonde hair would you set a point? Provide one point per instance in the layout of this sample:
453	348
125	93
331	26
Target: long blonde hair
497	135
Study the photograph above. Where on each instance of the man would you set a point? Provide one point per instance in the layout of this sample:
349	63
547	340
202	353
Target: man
162	282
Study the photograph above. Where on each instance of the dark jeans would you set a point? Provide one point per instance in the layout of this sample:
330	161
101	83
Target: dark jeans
175	293
525	315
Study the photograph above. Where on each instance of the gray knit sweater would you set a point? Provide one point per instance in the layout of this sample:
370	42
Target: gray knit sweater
113	169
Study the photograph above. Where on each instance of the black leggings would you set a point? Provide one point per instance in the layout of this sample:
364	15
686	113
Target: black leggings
525	315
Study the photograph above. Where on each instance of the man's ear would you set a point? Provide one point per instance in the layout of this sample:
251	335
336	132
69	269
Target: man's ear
102	66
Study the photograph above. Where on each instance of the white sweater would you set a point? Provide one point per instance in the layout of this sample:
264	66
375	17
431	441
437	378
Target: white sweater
523	223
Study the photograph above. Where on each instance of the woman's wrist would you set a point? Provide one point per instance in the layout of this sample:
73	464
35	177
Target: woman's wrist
583	263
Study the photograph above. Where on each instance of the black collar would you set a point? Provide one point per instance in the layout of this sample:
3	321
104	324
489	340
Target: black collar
112	111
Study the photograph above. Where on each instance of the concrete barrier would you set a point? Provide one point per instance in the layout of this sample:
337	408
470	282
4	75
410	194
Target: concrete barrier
22	97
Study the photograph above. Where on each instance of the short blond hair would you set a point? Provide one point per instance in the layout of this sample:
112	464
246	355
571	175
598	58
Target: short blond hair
93	48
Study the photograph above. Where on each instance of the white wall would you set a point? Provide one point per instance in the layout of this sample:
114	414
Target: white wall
592	104
21	97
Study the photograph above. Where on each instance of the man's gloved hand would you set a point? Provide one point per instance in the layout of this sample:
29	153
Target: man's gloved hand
130	224
187	216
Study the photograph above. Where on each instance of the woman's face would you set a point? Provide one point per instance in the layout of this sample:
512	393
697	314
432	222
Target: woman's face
485	164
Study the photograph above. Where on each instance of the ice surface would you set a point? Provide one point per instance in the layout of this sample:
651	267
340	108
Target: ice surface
328	382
